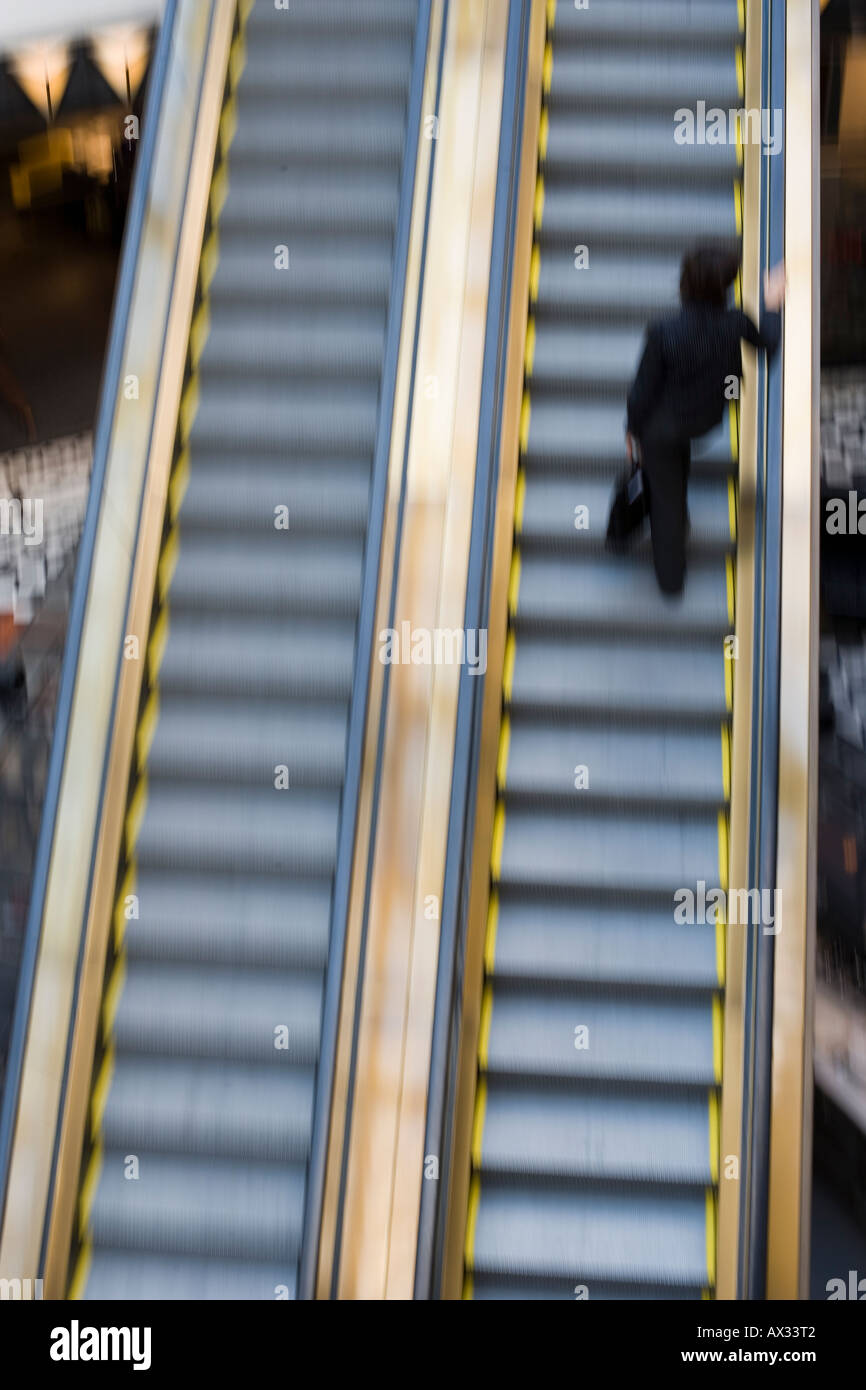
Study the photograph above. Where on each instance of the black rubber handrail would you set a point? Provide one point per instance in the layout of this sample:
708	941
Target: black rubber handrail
445	1044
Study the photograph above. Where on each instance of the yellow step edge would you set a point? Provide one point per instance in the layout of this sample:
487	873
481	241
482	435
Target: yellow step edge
732	507
478	1121
484	1029
714	1136
502	756
734	430
519	500
741	13
472	1222
738	289
514	583
219	190
178	484
99	1096
135	815
112	995
721	947
738	206
534	273
78	1283
729	583
127	890
188	407
711	1237
538	205
156	644
468	1288
543	133
529	354
548	66
490	933
508	664
228	124
525	413
146	729
726	762
209	259
741	71
168	561
498	841
551	13
723	850
198	334
728	662
88	1190
718	1037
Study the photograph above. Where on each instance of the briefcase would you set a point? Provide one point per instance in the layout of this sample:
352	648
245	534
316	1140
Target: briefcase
628	508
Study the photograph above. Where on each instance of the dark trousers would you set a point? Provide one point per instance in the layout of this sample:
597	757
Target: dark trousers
665	458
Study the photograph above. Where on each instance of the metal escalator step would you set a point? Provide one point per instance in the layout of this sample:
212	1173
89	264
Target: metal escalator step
281	574
227	919
319	65
579	355
229	654
687	22
644	677
323	496
637	212
113	1275
265	416
603	941
337	272
260	1114
580	1135
662	764
631	141
629	1039
602	850
633	74
280	203
588	1236
203	739
200	1207
210	826
554	508
219	1014
491	1288
317	17
614	287
619	593
329	341
272	128
597	431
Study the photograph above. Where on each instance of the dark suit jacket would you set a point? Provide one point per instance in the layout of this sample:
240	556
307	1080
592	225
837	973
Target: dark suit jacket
688	360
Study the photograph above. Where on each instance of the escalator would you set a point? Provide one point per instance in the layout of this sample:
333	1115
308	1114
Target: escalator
595	1142
204	1095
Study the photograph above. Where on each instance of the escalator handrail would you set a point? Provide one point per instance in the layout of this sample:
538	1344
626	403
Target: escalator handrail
331	1006
766	703
464	779
109	395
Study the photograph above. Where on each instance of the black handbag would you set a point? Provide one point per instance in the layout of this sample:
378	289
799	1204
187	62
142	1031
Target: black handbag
629	506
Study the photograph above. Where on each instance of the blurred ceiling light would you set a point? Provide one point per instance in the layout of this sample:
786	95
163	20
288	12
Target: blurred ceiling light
119	51
42	71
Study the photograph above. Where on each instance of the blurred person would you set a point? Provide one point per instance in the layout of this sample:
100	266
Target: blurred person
690	369
13	679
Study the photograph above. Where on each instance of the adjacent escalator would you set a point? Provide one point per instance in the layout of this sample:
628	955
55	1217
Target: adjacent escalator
199	1132
595	1159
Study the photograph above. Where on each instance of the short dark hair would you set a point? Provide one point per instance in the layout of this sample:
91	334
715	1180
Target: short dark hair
707	274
